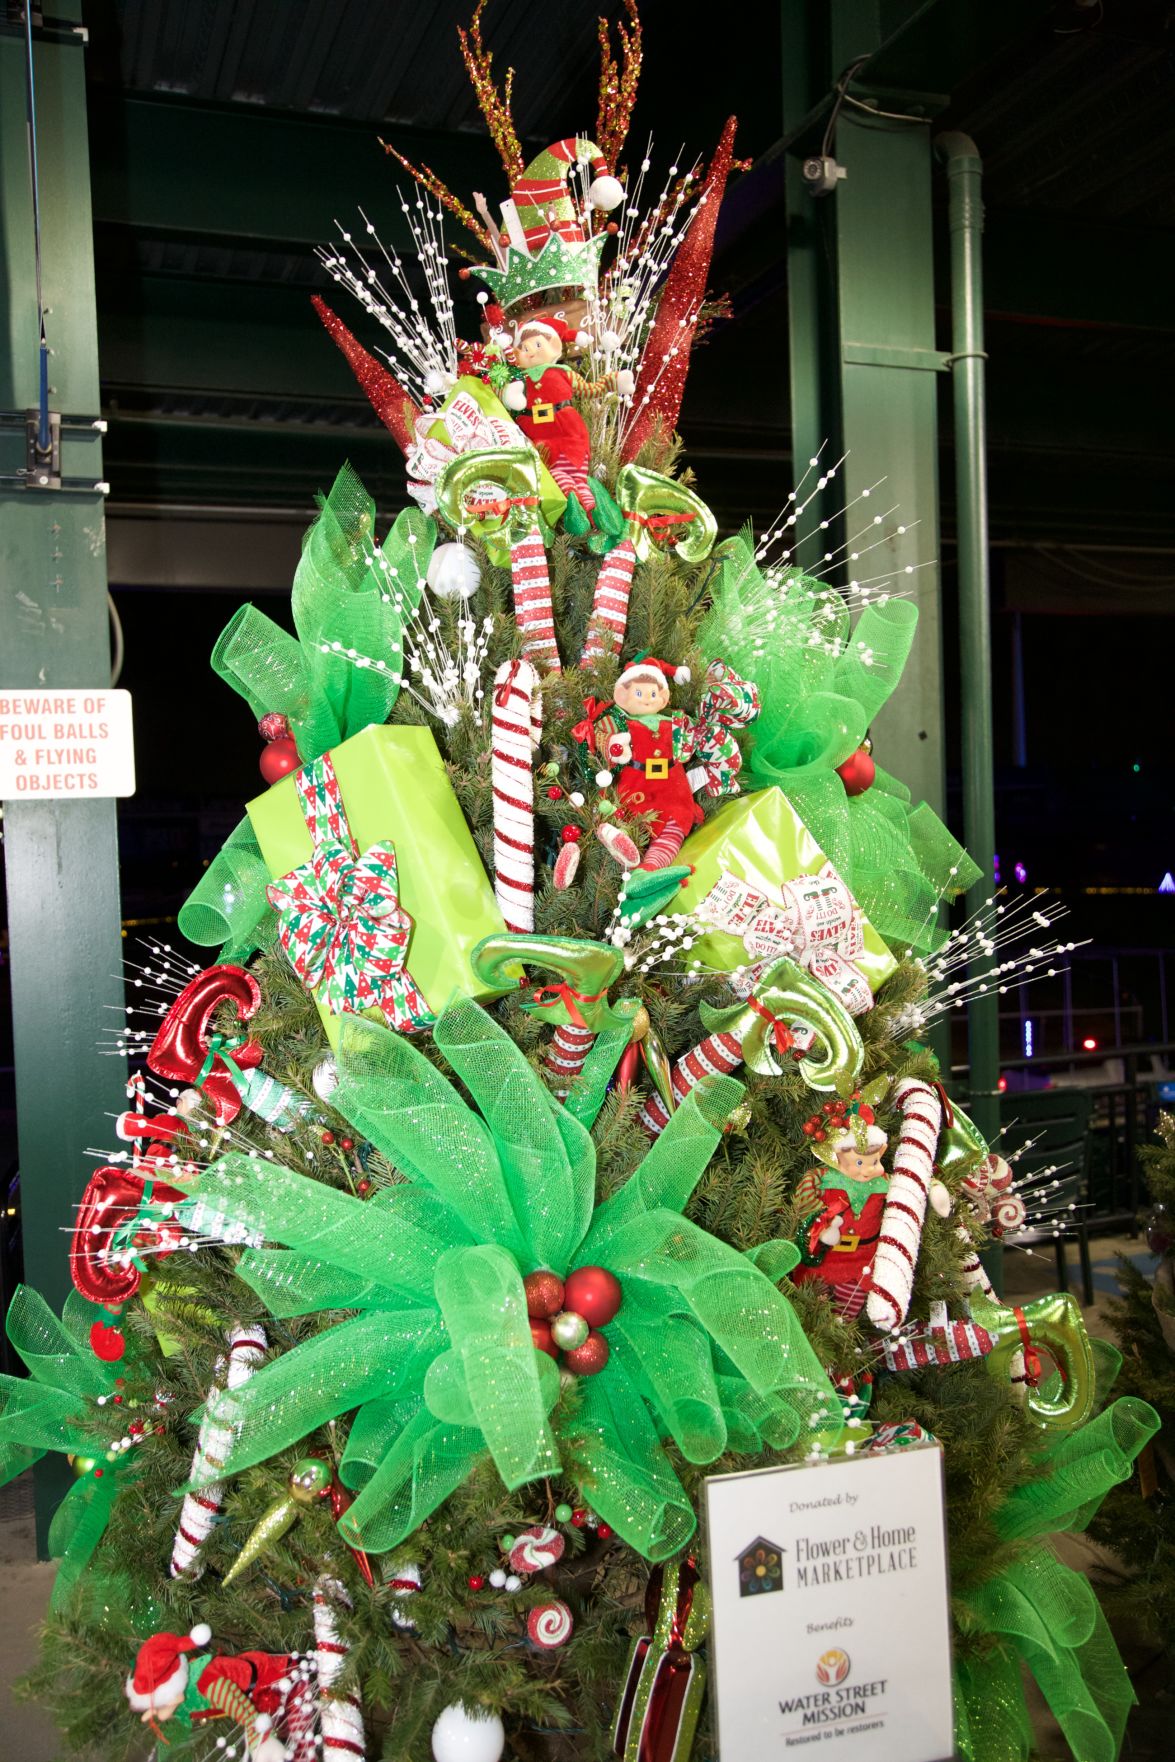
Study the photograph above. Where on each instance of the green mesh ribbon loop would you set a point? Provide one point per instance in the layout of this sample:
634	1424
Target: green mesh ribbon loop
1045	1615
821	683
436	1357
350	602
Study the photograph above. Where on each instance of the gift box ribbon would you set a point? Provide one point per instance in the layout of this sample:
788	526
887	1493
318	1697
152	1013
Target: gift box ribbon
340	920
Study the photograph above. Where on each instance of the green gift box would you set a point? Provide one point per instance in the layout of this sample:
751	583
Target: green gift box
763	882
394	787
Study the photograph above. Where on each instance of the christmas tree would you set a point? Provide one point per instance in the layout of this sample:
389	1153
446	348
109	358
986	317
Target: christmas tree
518	1162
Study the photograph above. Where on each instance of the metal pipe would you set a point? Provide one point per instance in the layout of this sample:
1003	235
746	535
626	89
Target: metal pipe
964	170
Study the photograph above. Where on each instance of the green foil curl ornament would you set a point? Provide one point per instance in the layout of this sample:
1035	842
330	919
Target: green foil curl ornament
437	1357
585	969
655	508
788	995
495	493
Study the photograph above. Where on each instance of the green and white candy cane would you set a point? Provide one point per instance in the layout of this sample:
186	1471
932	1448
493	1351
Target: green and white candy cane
656	510
577	1005
494	494
758	1033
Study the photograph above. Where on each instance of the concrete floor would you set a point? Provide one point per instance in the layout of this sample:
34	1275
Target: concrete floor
26	1735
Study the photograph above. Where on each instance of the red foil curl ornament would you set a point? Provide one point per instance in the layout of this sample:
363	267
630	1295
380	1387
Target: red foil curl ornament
113	1198
182	1050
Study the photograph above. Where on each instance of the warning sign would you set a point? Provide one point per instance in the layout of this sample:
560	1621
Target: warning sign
70	744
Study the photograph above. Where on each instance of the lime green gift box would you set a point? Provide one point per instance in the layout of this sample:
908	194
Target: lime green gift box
760	840
394	786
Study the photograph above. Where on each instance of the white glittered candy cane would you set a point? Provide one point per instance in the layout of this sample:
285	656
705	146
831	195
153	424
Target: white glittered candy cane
891	1279
340	1716
517	713
198	1514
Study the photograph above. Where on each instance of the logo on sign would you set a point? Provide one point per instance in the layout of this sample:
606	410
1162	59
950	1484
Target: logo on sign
832	1667
760	1568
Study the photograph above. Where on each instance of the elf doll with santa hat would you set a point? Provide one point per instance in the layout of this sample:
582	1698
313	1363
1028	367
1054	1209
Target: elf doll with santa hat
542	398
250	1688
847	1197
646	747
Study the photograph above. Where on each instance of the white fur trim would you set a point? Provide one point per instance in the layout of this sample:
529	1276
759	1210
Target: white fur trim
539	324
200	1634
682	675
640	670
171	1689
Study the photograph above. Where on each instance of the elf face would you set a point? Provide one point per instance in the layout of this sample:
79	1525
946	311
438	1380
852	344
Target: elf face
861	1165
535	349
642	697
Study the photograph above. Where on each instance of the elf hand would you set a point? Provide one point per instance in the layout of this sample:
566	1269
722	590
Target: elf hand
514	396
940	1199
830	1235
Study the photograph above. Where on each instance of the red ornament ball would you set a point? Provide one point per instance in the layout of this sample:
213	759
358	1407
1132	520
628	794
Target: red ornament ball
579	1518
554	793
589	1359
544	1294
363	1188
604	1531
571	834
476	1582
274	726
346	1143
594	1293
857	773
278	760
108	1344
328	1137
544	1340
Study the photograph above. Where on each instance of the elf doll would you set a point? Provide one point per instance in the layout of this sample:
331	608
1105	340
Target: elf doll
248	1687
541	401
847	1198
645	745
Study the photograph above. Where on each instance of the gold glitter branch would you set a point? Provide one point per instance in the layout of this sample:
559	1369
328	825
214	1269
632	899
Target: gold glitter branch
494	107
428	180
618	83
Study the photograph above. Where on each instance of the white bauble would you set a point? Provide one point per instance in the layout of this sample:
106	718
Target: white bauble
606	193
460	1736
326	1078
453	572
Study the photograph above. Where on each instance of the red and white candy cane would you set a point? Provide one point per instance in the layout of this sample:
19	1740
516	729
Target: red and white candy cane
715	1056
937	1343
891	1280
517	717
494	493
609	615
198	1514
340	1716
533	611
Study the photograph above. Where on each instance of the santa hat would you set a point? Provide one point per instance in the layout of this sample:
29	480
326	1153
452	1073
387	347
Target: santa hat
648	667
160	1676
558	328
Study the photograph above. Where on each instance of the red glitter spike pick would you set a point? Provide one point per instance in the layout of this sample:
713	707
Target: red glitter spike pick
662	376
382	390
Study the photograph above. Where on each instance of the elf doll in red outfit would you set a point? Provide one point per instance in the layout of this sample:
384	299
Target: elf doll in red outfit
847	1198
541	401
250	1688
646	748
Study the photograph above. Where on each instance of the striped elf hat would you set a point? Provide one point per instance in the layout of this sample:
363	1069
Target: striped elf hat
558	253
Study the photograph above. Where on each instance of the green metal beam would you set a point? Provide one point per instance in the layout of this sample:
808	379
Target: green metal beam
243	175
61	858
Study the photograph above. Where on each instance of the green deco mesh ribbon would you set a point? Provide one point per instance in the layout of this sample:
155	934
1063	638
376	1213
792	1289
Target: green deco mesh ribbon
350	603
437	1356
1043	1614
44	1412
821	682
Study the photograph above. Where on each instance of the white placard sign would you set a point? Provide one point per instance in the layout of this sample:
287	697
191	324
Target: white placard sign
831	1631
66	744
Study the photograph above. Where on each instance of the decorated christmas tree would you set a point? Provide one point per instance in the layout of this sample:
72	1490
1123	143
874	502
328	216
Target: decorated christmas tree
553	1127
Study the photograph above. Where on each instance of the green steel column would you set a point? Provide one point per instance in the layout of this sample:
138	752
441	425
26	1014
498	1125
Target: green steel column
61	858
964	170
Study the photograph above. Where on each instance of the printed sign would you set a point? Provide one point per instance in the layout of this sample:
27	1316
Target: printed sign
831	1630
67	744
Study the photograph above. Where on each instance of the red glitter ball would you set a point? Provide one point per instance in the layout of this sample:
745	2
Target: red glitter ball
589	1359
544	1294
274	726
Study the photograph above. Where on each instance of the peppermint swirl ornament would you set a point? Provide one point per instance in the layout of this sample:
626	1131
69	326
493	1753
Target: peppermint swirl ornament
550	1625
537	1548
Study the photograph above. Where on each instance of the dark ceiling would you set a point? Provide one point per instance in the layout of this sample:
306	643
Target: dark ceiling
226	135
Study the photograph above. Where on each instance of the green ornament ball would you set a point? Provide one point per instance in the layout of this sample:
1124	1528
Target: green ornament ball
506	1543
569	1330
562	1514
309	1480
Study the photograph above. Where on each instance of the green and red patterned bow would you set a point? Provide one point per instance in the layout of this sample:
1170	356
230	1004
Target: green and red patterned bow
339	916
